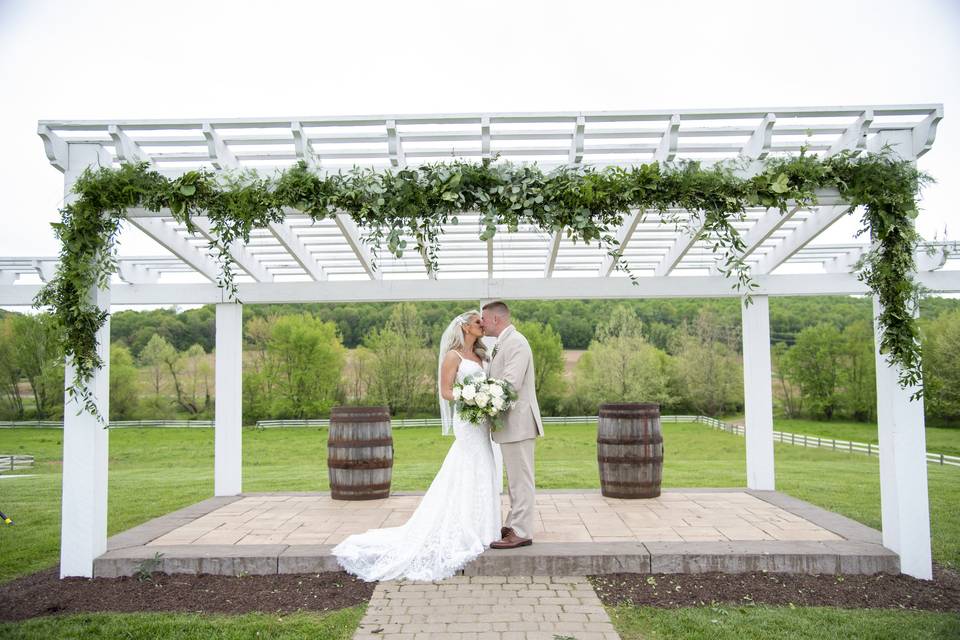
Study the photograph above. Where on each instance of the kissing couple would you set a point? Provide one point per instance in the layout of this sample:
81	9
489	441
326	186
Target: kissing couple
459	516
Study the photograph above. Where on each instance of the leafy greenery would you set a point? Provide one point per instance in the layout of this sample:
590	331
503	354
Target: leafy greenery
585	203
722	622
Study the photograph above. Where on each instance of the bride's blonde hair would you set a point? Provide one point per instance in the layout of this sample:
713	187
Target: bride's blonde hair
453	339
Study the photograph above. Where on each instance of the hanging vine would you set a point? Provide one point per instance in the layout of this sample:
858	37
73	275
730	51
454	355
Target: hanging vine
587	204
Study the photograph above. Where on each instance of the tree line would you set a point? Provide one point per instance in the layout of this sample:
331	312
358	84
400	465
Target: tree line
301	360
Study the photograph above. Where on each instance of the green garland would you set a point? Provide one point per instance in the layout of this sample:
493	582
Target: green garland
587	204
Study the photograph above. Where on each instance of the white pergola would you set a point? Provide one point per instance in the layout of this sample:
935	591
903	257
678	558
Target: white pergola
301	261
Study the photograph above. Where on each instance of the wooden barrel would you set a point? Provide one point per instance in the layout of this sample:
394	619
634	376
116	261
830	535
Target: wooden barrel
630	450
360	453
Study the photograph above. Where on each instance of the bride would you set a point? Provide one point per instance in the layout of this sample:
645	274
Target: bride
459	516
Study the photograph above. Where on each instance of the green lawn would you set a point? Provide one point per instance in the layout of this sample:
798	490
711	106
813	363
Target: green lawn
148	626
781	623
155	471
939	439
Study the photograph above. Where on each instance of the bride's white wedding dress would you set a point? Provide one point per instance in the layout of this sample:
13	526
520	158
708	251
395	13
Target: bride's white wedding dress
456	520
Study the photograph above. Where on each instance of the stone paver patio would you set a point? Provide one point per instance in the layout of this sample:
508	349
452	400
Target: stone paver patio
487	608
566	517
578	532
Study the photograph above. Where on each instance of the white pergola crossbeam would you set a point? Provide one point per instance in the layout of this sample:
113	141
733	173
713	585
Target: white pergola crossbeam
352	236
803	234
294	245
238	253
177	245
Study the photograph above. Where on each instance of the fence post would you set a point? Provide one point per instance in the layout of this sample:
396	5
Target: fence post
941	459
868	449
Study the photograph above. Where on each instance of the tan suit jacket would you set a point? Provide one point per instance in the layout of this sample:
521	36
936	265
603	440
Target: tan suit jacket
513	362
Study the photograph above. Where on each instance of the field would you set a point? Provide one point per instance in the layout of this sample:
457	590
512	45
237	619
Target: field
155	471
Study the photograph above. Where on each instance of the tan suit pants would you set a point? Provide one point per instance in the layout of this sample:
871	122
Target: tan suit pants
518	461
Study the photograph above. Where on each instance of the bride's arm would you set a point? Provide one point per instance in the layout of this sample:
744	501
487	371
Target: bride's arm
448	372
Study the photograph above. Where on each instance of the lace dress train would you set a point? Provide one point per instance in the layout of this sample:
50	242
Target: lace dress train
458	517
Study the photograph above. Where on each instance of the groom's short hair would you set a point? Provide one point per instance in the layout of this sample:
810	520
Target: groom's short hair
498	307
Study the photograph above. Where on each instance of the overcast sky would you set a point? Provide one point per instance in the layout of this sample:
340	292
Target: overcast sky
174	59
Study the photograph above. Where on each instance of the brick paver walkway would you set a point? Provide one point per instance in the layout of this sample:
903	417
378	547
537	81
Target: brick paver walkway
487	608
687	516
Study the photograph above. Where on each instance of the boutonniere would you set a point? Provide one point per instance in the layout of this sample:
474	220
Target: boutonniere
493	354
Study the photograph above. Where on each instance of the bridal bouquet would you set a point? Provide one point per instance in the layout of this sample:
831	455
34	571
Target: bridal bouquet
479	398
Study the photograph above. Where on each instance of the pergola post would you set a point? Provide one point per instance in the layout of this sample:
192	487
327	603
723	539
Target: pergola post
228	416
904	499
83	524
758	393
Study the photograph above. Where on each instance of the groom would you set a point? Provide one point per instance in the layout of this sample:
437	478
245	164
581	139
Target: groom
512	360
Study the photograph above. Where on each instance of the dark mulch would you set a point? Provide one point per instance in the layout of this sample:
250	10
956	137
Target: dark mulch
881	591
43	593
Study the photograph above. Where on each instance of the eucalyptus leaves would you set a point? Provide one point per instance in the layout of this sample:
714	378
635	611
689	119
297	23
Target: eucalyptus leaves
587	204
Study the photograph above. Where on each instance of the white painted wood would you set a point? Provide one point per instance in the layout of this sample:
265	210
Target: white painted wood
55	147
666	151
228	410
758	393
177	244
513	288
352	236
552	250
217	150
244	259
904	497
124	147
394	145
135	274
809	229
83	524
758	146
576	149
855	137
686	239
294	245
301	143
623	235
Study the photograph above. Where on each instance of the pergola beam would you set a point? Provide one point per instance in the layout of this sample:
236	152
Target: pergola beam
238	253
388	290
394	145
553	248
681	245
624	234
220	154
352	235
809	229
667	149
289	241
177	245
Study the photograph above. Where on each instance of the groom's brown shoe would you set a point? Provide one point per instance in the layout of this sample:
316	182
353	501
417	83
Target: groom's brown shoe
505	531
511	541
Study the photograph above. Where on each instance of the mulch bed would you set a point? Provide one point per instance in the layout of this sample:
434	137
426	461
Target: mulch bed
880	591
43	593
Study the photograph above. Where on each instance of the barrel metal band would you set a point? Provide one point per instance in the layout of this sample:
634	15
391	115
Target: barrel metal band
351	444
383	486
360	464
629	459
658	439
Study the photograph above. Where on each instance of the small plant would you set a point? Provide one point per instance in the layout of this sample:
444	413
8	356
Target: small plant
146	568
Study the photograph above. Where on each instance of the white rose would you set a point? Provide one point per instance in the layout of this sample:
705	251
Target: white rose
482	399
456	393
496	391
497	402
468	393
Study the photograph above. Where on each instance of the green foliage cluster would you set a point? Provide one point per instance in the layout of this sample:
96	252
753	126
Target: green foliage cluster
586	203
